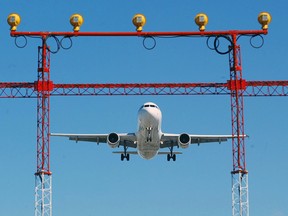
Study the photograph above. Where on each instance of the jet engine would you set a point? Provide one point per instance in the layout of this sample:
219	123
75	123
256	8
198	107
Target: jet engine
113	140
184	140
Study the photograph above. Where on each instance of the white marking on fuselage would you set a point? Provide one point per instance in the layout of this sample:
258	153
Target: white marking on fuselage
149	130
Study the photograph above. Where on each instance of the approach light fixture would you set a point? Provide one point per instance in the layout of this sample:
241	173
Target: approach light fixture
13	20
139	21
201	20
76	21
264	19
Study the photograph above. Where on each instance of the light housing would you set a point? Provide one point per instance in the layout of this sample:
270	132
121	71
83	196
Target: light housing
76	20
201	20
139	21
264	18
13	20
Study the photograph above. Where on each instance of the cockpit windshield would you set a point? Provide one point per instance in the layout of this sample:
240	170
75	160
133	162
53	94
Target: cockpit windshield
149	105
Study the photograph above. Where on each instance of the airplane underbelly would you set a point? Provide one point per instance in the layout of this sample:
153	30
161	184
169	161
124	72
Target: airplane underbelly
148	135
148	150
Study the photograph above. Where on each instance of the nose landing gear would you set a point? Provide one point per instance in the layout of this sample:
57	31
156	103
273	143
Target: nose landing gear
149	134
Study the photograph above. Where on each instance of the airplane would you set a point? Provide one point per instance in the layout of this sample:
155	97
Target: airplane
149	138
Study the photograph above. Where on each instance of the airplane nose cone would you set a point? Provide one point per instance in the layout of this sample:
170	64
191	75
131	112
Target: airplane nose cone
144	113
149	113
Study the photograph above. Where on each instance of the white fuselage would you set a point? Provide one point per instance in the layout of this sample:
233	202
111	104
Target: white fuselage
149	130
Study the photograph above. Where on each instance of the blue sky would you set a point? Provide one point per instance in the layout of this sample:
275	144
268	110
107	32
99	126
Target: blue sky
90	180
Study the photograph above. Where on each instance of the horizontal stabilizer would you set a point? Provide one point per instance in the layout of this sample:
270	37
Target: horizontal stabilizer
167	153
127	152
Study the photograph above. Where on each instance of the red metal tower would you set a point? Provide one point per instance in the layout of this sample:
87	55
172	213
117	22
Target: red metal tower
43	175
240	203
236	87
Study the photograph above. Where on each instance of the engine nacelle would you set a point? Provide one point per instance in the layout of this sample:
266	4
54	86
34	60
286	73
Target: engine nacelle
184	140
113	140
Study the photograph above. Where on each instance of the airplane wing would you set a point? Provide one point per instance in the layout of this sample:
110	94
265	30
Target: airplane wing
169	140
129	139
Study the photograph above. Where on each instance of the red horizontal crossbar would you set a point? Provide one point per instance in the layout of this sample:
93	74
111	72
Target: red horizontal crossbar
253	88
140	34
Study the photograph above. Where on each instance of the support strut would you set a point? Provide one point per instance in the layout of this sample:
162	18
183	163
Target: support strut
240	204
43	175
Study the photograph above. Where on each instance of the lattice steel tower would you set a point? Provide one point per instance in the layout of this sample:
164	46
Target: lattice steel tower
236	87
240	195
43	175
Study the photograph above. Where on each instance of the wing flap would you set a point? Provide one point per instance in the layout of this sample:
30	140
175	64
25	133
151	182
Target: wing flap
169	140
126	139
98	138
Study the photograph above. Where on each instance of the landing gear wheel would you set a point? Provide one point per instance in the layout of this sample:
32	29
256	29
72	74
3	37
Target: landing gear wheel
149	139
171	156
168	157
174	157
123	156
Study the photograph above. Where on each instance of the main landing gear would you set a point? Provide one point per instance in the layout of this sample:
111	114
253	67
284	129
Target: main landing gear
125	155
171	155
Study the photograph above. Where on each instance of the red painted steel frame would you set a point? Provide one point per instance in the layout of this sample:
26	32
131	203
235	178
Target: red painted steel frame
43	112
43	175
139	34
253	89
236	87
240	200
237	107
